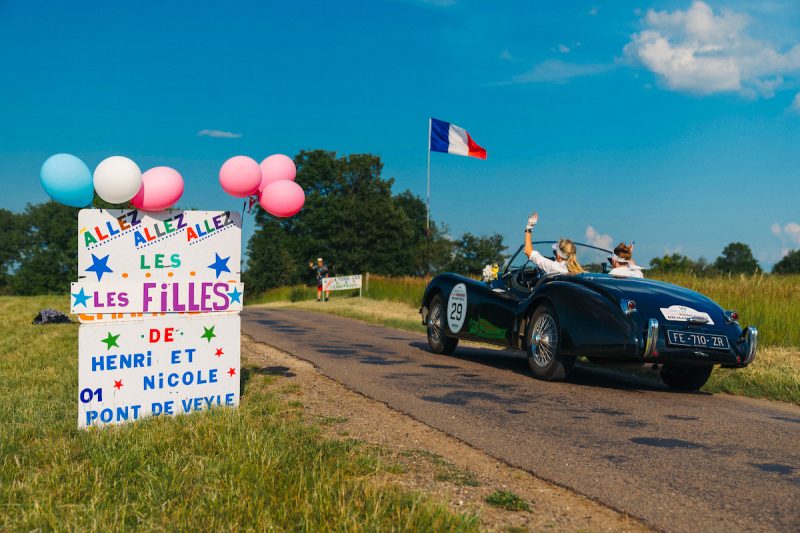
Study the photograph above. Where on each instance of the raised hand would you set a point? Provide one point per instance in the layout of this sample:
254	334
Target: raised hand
532	220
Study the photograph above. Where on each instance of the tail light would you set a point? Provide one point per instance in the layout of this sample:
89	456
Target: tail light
628	306
731	317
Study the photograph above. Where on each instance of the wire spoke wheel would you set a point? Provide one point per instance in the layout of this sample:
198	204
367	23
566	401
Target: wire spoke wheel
544	340
435	324
545	354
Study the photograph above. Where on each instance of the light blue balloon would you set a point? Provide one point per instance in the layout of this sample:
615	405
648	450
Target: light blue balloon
67	180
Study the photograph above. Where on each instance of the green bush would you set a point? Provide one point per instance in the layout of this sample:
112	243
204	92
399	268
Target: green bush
297	294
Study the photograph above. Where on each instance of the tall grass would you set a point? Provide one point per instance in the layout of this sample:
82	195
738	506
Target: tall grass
770	302
406	289
259	467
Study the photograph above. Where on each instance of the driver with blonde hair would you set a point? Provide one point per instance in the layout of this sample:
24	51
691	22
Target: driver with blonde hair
564	261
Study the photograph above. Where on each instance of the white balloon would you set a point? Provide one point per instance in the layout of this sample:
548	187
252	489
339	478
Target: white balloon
117	179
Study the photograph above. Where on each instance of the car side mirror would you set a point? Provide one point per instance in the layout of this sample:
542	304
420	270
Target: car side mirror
606	268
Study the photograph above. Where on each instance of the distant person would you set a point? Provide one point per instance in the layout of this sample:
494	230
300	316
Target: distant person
564	259
322	272
622	262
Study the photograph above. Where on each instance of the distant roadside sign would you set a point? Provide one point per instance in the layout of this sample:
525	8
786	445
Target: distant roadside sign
341	283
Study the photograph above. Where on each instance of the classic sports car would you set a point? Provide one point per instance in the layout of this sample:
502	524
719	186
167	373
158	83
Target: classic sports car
556	318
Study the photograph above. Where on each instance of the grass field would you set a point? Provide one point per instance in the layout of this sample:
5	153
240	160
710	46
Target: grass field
770	302
258	467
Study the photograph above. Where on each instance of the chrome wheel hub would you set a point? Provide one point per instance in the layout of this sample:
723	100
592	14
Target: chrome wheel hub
544	341
435	329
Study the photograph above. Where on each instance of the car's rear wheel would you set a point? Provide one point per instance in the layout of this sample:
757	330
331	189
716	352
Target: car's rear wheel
544	354
687	378
437	340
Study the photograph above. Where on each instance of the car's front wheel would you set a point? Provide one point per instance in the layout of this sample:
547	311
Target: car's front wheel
437	339
544	354
687	378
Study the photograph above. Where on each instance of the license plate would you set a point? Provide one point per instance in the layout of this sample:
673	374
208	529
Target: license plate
697	340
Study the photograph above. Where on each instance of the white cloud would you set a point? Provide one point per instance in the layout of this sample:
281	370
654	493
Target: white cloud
594	11
789	236
792	232
795	103
564	49
600	240
701	52
218	134
560	71
505	55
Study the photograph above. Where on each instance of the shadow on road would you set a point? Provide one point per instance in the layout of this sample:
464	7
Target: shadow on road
584	374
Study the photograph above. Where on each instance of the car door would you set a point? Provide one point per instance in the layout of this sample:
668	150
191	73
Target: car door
497	314
498	308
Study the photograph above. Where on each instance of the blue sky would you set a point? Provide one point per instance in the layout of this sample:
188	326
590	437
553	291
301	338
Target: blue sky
675	124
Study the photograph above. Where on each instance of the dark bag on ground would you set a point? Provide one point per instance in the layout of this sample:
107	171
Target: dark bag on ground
51	316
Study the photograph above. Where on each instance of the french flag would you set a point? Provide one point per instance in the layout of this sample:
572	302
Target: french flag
451	139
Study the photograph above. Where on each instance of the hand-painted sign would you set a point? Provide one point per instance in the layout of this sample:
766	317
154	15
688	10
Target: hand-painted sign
341	283
166	366
178	296
158	301
129	245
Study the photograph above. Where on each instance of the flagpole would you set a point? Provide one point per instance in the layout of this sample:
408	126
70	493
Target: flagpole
428	208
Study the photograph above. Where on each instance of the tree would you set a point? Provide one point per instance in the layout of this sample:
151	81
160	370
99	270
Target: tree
789	264
737	258
472	253
48	259
350	218
676	262
12	237
269	261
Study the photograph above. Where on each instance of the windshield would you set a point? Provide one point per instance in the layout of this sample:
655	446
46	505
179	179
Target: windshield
590	257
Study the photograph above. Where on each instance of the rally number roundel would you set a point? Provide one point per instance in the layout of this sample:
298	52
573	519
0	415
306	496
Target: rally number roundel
457	308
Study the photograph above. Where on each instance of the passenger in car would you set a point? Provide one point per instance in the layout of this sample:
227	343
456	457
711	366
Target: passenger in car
564	260
622	262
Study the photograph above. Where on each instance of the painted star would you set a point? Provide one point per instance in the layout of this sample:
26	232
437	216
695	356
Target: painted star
219	352
111	340
236	296
80	298
99	266
231	372
118	384
220	265
208	333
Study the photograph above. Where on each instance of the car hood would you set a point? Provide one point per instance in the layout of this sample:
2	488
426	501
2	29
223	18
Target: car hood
652	296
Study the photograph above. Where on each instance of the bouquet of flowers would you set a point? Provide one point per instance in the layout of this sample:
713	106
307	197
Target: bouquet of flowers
490	272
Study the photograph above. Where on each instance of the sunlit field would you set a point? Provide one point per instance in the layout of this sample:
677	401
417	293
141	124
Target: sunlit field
260	467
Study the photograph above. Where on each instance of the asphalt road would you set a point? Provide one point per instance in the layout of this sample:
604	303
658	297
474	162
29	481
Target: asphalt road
680	462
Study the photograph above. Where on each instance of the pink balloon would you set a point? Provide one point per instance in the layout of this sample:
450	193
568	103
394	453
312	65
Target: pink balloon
276	167
240	176
161	188
282	198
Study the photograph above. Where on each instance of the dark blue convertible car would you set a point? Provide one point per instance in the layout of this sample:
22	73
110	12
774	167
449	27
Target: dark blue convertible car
557	318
